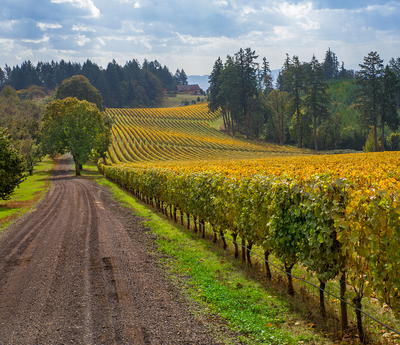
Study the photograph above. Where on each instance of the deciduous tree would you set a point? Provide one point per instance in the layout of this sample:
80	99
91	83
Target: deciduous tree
78	127
11	166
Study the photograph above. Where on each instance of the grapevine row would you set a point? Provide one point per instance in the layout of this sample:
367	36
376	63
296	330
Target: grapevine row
336	227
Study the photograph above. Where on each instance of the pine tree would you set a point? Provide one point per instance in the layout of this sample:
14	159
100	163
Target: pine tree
316	100
266	77
370	79
330	65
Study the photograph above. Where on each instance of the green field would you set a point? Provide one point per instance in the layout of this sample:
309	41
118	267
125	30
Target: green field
181	99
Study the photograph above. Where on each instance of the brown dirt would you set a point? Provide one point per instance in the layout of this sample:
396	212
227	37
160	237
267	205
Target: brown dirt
76	271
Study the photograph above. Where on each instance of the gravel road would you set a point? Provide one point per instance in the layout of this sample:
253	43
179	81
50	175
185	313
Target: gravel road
77	271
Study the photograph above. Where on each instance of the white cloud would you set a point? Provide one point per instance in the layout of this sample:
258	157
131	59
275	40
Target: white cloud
47	26
80	27
44	39
84	4
7	24
82	40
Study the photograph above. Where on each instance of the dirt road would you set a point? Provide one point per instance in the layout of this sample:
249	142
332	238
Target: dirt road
76	271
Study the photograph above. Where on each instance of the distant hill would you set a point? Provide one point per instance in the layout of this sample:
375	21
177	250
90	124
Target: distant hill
202	80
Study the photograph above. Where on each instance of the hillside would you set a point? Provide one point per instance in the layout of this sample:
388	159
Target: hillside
182	133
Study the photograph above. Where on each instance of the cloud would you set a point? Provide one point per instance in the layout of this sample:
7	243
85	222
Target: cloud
84	4
81	27
47	26
192	34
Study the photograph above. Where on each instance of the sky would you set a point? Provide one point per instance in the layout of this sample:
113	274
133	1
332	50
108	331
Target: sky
191	34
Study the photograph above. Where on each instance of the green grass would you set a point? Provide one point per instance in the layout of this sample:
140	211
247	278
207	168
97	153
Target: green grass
179	99
257	314
26	195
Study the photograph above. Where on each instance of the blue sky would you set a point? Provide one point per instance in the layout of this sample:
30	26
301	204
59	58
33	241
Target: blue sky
192	34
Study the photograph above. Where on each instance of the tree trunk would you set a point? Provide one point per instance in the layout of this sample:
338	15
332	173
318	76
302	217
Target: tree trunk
175	219
195	224
188	220
234	240
181	214
214	234
383	136
248	252
77	169
375	138
268	274
322	309
222	236
243	250
203	229
315	133
343	304
288	271
357	302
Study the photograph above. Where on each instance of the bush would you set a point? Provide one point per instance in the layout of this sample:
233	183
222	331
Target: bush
394	141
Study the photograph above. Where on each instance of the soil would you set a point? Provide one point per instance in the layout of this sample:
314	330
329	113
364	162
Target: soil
78	270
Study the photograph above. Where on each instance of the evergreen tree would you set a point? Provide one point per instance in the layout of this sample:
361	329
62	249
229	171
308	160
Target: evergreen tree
316	100
330	65
388	102
370	79
214	91
266	77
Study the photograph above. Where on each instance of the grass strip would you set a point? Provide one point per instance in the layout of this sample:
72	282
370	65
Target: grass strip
27	194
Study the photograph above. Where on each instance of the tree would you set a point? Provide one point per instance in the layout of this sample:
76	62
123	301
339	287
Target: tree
278	102
370	79
79	86
11	166
388	102
180	77
316	100
214	91
78	127
266	77
30	152
330	65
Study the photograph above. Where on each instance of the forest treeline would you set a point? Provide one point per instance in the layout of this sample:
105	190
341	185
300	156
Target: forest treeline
129	85
319	105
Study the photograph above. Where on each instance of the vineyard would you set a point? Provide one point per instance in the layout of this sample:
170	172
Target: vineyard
163	134
336	215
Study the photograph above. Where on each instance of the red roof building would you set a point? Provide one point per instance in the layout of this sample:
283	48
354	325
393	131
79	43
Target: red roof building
190	89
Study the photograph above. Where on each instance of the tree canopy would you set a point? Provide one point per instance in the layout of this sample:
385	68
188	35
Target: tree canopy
79	86
75	126
128	85
11	166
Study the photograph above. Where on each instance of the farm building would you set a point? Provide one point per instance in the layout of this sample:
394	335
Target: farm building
190	89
